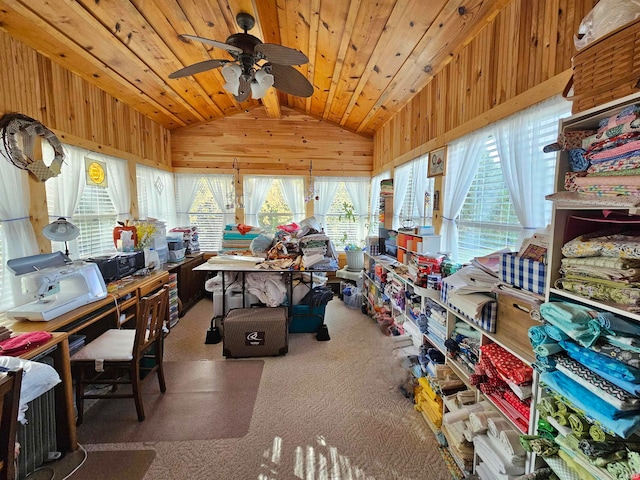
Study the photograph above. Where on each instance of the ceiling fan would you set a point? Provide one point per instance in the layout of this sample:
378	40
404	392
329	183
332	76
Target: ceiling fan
255	67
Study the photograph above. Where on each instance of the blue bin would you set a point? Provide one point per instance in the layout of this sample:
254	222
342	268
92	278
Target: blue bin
305	319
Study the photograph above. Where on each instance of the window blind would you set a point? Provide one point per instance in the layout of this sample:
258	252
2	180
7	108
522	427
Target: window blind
95	216
205	214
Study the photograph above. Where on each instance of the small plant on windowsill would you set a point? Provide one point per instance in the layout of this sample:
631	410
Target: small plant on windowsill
353	250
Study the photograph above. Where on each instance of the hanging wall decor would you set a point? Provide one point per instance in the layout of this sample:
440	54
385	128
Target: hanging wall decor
17	138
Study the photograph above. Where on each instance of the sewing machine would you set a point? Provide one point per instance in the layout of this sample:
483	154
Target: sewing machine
59	289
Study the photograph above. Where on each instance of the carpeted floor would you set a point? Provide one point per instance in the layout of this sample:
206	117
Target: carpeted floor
178	414
99	465
326	410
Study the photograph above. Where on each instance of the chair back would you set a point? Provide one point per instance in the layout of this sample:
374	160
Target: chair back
151	318
10	401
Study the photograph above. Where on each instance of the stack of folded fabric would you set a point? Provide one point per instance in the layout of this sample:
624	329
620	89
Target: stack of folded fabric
603	265
608	160
506	380
501	454
433	324
469	292
428	402
464	345
457	426
238	237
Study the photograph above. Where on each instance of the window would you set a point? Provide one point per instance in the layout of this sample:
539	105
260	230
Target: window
488	221
505	200
414	209
275	210
343	208
156	195
203	212
95	216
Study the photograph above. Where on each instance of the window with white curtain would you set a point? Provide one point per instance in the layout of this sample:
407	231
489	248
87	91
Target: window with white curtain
344	214
275	210
505	200
95	216
416	209
201	209
156	195
488	221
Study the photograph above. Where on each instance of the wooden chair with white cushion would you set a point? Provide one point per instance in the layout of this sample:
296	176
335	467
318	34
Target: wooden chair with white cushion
115	357
9	403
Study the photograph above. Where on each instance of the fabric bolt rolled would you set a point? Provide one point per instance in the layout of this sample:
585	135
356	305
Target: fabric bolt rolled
561	469
495	457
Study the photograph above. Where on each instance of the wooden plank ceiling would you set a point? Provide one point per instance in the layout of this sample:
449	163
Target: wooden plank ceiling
367	58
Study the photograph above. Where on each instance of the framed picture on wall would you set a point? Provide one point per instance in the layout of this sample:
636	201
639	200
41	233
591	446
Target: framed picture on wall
437	161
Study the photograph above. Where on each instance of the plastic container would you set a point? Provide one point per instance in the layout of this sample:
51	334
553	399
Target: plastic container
305	319
152	259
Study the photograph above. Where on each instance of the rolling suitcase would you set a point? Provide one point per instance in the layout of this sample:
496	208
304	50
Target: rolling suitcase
255	332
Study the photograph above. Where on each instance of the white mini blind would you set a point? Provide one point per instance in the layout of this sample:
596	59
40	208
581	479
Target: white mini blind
488	221
340	230
95	216
205	214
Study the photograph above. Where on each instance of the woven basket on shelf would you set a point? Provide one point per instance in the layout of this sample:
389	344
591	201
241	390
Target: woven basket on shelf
607	69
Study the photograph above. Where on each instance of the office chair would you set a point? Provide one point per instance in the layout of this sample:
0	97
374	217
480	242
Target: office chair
124	356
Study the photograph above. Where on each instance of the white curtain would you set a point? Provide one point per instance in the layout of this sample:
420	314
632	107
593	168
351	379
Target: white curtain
518	139
463	159
374	200
255	193
18	237
420	185
186	191
358	190
325	188
118	186
65	190
156	195
401	176
292	189
222	189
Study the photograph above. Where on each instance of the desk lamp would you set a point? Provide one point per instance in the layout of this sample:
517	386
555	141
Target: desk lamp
61	231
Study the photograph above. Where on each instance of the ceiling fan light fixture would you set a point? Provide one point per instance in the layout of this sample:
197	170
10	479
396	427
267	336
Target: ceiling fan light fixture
231	73
261	83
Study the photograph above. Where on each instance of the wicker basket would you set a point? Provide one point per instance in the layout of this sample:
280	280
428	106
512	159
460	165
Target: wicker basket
608	68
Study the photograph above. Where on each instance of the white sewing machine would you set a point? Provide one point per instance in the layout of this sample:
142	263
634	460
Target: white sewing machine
59	289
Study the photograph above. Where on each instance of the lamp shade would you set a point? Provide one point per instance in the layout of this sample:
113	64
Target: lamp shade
61	230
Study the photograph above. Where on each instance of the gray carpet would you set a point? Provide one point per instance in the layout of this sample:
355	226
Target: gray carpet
326	410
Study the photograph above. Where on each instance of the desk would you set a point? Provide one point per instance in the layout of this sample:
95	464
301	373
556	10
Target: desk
114	310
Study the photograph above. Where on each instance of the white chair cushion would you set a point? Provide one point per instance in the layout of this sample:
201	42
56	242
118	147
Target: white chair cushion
114	345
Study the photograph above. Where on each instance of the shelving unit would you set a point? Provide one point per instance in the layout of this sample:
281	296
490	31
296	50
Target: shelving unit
383	271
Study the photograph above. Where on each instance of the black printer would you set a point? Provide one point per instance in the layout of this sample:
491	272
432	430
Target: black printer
122	264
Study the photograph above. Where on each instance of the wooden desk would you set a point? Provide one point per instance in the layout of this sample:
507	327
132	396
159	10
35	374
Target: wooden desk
92	319
65	412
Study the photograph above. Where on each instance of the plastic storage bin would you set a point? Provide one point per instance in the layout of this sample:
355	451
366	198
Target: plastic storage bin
306	319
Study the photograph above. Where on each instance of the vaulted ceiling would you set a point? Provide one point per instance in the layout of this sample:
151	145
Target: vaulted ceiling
367	58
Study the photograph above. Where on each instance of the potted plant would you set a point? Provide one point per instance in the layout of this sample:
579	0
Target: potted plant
354	251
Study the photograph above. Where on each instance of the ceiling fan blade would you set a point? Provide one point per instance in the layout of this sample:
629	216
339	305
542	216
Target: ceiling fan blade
244	91
289	80
197	68
282	55
215	43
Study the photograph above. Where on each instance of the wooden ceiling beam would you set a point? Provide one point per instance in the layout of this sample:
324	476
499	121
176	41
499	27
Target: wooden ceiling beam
266	14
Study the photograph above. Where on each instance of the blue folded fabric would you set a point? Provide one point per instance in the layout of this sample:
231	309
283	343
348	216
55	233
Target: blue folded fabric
555	333
617	324
577	161
566	312
621	423
546	349
591	360
537	335
546	362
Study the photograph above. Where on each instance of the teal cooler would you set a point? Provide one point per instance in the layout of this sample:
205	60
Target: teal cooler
305	319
